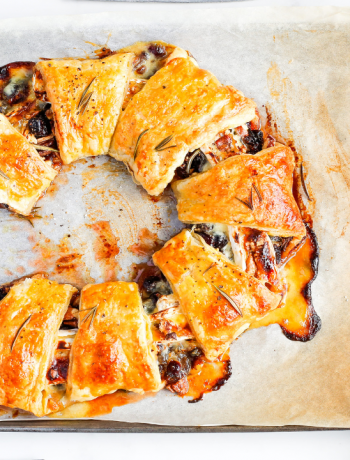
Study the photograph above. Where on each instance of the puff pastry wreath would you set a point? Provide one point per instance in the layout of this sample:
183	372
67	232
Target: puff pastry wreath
151	106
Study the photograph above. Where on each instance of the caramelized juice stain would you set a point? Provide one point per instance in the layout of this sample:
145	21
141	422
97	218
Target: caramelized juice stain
207	376
101	406
106	249
148	243
297	317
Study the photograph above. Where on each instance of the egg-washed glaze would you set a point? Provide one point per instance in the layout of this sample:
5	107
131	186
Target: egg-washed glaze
24	174
195	270
184	104
245	190
30	316
85	129
113	348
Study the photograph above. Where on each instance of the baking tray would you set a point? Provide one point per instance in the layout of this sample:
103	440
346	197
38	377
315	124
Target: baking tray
101	426
179	30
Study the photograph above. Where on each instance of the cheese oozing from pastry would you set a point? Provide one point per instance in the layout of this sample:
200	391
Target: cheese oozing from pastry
24	175
152	56
252	191
197	273
30	317
113	348
179	109
86	98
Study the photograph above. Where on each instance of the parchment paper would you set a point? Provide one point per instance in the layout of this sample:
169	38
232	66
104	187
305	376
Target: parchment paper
293	61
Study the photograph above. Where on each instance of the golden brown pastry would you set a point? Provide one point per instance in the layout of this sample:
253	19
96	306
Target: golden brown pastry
252	191
86	98
179	109
113	348
30	316
24	175
203	280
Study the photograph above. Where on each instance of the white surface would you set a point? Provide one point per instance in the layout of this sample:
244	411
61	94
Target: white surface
317	445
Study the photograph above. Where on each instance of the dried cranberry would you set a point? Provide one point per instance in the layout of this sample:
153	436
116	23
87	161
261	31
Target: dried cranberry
140	70
40	125
254	141
173	372
139	63
158	50
217	241
207	237
220	241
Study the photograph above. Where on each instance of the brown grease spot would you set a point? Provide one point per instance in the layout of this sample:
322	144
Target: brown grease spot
106	249
147	244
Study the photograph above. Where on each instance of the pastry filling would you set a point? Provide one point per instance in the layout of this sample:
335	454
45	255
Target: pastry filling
245	139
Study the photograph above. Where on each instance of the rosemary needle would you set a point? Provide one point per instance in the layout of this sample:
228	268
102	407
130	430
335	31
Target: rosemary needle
228	298
18	332
138	142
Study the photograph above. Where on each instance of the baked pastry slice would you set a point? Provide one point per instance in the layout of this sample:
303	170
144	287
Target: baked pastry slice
24	175
252	191
86	98
113	348
219	299
30	316
179	109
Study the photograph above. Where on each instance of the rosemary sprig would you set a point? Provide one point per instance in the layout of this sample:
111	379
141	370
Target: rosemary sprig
19	330
93	317
85	103
164	142
2	174
138	142
83	96
303	182
166	148
25	218
209	268
229	299
42	147
258	193
192	157
92	313
246	203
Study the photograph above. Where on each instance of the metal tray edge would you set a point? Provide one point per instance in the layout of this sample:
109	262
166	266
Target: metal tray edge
101	426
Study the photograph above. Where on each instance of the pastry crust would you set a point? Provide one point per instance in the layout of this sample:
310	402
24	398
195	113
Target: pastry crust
86	133
213	196
29	175
114	350
181	101
193	268
23	382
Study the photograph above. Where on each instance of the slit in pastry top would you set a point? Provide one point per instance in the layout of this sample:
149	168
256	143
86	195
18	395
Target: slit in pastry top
24	175
86	98
197	274
113	348
30	317
178	110
252	191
